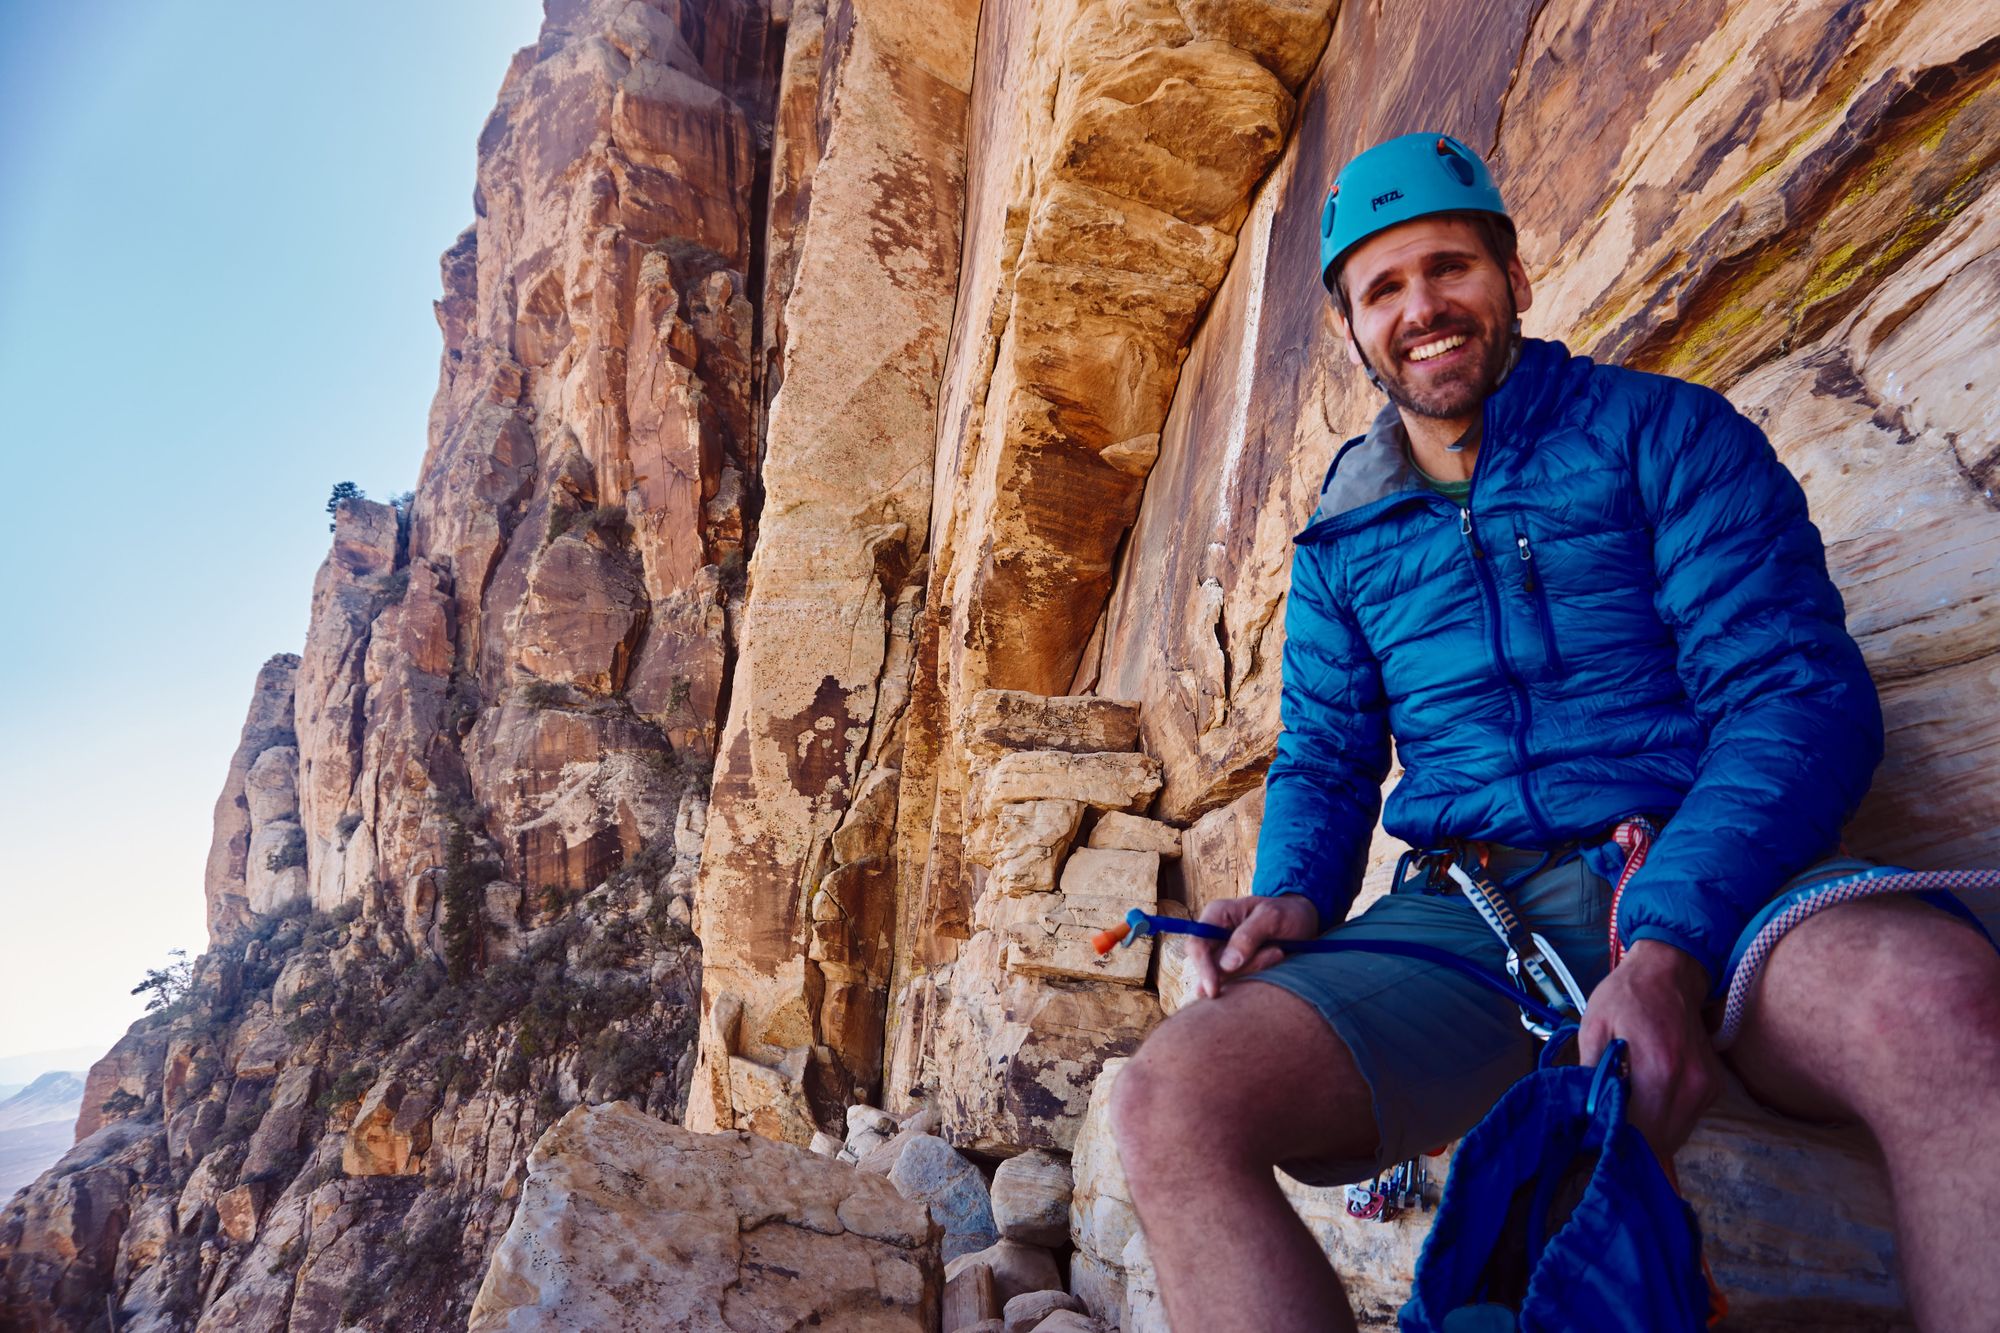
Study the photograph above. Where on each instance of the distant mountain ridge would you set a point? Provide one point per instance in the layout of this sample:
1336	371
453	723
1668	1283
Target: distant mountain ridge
35	1127
53	1098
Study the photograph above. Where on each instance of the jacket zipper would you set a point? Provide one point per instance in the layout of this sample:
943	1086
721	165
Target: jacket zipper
1539	592
1487	590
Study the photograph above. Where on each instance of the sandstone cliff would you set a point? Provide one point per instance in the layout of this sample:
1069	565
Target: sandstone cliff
849	565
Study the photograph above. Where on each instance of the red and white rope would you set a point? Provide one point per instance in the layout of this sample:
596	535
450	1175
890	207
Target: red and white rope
1831	894
1634	837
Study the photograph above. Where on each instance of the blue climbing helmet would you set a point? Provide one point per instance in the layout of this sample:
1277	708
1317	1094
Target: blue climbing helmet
1410	176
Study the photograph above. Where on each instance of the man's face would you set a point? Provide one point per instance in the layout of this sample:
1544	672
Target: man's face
1433	311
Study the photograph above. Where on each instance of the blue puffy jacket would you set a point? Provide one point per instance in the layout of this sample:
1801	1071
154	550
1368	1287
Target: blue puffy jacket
1630	615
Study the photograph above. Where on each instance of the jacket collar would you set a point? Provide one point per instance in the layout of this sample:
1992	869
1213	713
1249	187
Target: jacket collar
1375	467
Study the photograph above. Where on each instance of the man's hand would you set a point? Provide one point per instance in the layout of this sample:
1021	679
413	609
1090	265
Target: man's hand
1256	923
1653	1000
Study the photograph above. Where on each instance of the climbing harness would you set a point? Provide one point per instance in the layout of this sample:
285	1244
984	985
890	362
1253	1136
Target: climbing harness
1528	952
1139	923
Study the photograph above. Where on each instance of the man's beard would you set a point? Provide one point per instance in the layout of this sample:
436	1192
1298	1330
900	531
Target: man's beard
1458	396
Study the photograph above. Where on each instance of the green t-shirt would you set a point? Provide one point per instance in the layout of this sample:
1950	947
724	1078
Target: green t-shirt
1455	491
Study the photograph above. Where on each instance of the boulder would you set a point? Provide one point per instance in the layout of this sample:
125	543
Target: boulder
237	1209
1112	873
969	1301
1027	1312
869	1119
882	1159
1017	1268
259	1047
1022	843
1070	1321
275	1142
1058	942
929	1171
1031	1194
390	1131
625	1218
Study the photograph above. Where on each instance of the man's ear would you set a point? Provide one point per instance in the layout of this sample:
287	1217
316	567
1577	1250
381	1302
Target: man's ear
1343	332
1517	279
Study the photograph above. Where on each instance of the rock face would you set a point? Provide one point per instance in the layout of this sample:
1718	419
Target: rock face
268	740
626	1222
836	574
853	541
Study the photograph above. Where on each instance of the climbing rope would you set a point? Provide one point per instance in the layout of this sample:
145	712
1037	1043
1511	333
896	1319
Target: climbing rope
1634	837
1748	965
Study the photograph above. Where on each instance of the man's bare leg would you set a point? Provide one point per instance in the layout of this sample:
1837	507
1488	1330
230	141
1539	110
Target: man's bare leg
1888	1012
1218	1095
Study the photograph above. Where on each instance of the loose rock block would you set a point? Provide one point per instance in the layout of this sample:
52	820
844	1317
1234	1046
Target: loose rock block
930	1172
1000	721
619	1207
1136	833
1107	781
1017	1268
1031	1196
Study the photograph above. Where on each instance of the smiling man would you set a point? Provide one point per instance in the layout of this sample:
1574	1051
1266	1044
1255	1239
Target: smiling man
1585	604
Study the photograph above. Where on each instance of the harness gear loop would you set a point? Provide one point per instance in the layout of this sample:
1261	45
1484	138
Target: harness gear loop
1529	953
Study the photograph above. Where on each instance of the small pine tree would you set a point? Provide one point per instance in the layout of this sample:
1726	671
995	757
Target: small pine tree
169	985
343	491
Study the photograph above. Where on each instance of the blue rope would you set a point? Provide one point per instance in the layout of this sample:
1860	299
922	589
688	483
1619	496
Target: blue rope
1144	922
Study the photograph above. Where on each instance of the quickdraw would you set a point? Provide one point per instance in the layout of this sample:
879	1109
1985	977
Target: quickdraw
1529	953
1403	1188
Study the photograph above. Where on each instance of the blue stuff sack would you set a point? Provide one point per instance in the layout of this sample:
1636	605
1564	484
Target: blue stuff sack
1557	1218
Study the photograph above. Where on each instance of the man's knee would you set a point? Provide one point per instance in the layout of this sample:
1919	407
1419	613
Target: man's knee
1163	1098
1939	1010
1252	1078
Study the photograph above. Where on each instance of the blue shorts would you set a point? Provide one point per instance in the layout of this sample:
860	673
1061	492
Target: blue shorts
1437	1049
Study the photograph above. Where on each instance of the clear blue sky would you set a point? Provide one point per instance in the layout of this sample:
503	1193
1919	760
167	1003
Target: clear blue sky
219	229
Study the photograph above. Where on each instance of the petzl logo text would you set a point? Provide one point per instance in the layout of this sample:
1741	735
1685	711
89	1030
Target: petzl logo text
1382	199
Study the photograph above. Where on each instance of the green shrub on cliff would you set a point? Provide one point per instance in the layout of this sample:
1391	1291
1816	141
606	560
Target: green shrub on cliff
289	853
462	895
